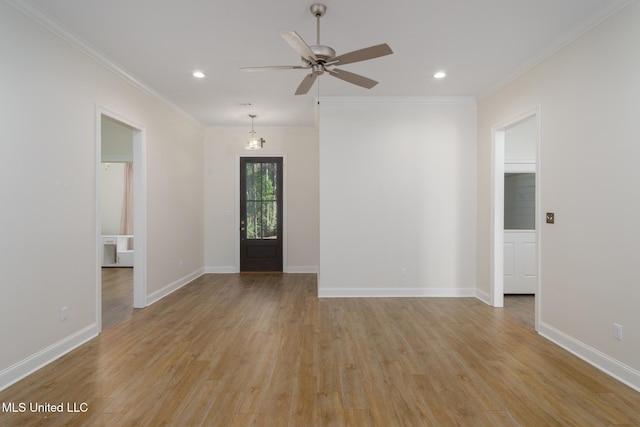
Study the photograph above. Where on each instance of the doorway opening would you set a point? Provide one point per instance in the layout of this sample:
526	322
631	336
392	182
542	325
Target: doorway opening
516	210
121	217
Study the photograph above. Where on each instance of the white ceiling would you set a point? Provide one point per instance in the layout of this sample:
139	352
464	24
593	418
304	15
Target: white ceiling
481	44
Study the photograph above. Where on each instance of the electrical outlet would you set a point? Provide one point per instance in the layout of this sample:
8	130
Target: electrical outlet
403	272
617	331
63	313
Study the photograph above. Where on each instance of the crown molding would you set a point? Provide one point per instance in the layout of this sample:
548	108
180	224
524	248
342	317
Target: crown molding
57	28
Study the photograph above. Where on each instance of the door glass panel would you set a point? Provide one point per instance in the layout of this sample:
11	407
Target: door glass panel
519	201
269	220
252	226
262	201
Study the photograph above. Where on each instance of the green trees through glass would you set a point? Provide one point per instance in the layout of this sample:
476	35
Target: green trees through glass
262	201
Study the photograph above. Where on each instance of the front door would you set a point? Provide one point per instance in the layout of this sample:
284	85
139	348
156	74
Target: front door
261	214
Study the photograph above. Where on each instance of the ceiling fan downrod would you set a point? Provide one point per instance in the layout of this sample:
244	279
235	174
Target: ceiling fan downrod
318	10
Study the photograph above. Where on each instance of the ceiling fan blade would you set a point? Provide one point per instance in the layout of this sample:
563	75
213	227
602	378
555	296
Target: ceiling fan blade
274	67
299	45
362	54
306	84
353	78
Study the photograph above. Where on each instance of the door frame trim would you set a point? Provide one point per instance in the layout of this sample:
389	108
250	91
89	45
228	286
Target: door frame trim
139	209
284	206
497	208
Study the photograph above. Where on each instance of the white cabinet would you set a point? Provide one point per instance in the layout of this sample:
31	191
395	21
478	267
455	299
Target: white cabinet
117	251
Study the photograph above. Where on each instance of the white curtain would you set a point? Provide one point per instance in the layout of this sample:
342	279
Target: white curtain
126	222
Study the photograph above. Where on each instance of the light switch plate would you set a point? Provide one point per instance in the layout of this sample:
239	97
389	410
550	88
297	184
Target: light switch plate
551	218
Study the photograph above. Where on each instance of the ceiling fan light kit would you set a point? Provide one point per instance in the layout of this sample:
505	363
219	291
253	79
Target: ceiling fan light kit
320	59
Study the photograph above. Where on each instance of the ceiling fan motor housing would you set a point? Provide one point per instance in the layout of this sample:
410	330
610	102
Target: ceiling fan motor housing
323	53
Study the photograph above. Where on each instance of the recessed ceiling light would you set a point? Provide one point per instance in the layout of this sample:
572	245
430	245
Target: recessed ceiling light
198	74
440	75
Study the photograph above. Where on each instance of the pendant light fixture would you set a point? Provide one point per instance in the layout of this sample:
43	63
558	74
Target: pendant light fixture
254	143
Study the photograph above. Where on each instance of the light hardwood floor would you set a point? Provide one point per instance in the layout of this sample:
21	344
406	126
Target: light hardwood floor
117	295
239	350
522	308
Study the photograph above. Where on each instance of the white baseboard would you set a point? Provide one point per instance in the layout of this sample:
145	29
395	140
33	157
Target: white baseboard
605	363
25	367
483	296
353	292
228	269
302	269
172	287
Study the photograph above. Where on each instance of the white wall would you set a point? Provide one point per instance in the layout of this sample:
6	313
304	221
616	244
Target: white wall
222	148
520	142
589	98
397	197
111	197
117	141
50	91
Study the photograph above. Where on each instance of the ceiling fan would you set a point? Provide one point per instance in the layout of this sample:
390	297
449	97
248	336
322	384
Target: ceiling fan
320	59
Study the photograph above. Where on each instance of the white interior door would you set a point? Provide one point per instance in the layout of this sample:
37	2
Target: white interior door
520	260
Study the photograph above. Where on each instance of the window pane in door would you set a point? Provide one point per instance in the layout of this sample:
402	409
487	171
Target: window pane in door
252	172
519	201
269	220
262	201
252	221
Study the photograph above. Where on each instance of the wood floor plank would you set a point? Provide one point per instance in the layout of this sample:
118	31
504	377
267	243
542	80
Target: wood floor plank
263	350
305	391
278	402
117	295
